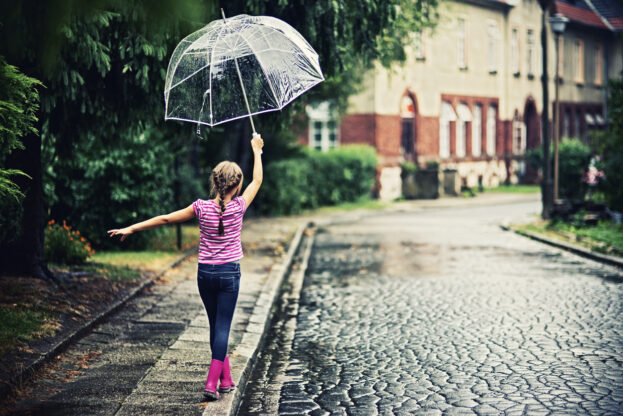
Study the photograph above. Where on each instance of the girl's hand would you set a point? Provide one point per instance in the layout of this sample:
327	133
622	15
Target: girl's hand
123	232
257	143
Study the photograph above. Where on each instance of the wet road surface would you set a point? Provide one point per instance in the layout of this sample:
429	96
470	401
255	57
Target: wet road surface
442	312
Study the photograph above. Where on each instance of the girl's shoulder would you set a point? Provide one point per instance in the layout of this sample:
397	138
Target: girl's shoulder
240	203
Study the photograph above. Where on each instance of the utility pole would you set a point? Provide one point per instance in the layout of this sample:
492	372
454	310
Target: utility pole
546	183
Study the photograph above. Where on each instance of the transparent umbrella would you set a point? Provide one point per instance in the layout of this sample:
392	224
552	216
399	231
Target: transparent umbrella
238	67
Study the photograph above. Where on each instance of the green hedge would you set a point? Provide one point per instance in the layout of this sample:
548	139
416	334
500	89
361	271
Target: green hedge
317	179
573	159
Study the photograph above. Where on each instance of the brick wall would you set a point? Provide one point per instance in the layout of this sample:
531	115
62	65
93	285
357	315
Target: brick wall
427	143
358	128
388	134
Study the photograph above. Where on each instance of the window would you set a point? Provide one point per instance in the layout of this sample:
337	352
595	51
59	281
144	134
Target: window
316	142
515	51
418	46
477	130
531	54
576	124
323	127
492	40
598	65
566	123
447	115
407	113
462	43
491	127
464	117
579	61
519	135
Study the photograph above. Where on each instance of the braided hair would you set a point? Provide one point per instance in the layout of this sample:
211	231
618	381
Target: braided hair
225	177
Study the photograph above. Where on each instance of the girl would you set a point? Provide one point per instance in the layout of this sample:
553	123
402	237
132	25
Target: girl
220	251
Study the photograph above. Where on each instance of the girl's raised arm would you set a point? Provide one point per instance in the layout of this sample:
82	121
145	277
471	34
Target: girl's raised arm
249	194
172	218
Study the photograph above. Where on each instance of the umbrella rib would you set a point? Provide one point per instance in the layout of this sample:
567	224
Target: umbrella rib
261	66
211	66
188	77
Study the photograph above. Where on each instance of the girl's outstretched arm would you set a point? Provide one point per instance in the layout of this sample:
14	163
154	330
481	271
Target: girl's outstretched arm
177	216
256	143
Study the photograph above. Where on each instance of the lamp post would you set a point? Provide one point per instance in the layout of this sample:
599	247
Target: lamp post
557	23
546	183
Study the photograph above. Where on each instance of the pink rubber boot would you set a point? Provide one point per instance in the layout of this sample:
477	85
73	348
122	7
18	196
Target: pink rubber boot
227	384
210	393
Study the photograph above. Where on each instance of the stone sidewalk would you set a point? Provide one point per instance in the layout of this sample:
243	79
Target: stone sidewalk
152	356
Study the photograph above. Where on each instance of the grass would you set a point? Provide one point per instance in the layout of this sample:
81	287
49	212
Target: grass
144	260
31	309
514	189
161	252
20	323
605	237
167	240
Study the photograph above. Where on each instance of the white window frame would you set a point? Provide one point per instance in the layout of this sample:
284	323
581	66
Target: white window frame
491	129
477	130
323	114
464	117
492	45
578	48
462	36
515	50
519	137
530	52
419	46
599	64
447	115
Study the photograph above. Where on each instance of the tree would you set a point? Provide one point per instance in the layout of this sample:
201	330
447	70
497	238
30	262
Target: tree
103	65
97	60
19	102
611	148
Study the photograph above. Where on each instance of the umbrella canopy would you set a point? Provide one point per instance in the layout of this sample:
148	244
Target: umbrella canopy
238	67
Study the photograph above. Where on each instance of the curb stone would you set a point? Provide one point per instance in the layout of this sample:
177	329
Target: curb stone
581	251
244	356
28	371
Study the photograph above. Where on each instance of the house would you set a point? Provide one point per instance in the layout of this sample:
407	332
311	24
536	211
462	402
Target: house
469	96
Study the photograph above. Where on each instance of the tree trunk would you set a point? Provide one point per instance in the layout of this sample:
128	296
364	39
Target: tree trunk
24	255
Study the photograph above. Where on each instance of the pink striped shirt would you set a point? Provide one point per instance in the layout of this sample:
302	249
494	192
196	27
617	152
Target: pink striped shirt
215	248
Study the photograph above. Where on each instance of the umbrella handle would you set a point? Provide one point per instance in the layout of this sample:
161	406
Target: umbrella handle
256	134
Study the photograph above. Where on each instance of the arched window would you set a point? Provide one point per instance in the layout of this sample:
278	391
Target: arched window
407	114
447	115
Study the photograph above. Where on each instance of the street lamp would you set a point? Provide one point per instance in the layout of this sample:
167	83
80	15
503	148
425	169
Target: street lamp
557	23
546	183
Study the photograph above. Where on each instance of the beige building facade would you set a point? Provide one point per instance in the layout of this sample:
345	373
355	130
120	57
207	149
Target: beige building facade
469	97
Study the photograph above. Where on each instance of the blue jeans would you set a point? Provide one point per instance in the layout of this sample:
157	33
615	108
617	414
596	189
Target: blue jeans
218	286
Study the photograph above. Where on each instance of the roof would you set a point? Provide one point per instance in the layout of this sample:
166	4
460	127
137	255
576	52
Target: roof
612	11
600	14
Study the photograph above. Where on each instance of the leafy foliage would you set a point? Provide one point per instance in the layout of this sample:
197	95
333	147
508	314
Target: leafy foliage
573	158
107	154
348	35
64	245
317	179
19	102
611	148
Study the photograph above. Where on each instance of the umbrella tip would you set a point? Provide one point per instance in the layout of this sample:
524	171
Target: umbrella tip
223	13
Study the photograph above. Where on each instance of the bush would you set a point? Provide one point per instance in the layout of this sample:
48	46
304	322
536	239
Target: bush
103	188
573	159
611	149
64	245
317	179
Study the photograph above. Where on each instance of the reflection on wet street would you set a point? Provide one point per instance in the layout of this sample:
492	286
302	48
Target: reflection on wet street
441	312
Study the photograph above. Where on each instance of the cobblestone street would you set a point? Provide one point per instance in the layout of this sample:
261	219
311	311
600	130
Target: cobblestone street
442	312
